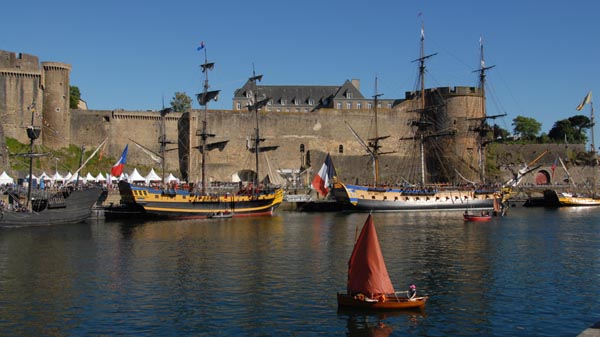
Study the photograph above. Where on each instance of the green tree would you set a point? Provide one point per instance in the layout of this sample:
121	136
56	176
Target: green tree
571	129
74	97
181	102
526	127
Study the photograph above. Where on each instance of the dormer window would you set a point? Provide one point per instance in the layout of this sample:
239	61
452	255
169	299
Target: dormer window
311	101
283	101
348	95
296	101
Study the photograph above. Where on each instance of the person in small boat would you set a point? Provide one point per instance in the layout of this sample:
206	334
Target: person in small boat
412	292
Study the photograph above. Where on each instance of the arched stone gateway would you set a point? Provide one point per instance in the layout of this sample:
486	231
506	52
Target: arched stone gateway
542	177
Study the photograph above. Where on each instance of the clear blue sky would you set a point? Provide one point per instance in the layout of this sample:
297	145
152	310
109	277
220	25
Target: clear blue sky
132	54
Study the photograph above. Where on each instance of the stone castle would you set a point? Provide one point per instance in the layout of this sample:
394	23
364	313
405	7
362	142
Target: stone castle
304	122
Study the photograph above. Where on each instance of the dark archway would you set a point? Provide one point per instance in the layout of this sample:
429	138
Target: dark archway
542	177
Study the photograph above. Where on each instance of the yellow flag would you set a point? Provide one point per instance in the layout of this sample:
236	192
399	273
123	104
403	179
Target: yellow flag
586	100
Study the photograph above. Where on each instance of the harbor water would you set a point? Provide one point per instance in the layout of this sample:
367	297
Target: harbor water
535	272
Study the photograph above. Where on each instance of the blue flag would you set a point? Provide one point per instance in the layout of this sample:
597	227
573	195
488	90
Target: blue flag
201	46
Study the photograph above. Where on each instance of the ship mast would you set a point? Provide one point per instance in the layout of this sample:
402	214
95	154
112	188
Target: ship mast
482	69
203	100
483	128
33	132
162	140
374	145
422	124
253	106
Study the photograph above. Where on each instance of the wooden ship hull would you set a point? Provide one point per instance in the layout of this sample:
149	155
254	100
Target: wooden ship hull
391	302
364	198
74	207
183	204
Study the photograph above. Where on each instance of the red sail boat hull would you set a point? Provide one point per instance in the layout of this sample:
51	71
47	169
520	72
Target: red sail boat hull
391	302
478	218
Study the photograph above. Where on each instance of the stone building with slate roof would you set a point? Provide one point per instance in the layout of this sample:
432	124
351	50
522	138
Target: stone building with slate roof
309	98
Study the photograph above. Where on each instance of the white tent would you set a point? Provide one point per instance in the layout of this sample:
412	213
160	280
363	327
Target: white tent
100	177
44	177
152	176
68	176
6	179
33	176
89	178
57	177
135	176
171	178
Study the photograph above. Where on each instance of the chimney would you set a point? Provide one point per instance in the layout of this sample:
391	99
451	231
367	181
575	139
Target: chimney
356	83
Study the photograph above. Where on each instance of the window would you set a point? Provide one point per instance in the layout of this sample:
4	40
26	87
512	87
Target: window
238	106
389	105
283	101
296	101
341	148
370	105
348	95
348	105
359	105
311	101
339	105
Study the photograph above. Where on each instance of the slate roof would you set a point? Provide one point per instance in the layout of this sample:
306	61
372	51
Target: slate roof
290	95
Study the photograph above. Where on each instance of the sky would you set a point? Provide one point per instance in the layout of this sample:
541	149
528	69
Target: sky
134	55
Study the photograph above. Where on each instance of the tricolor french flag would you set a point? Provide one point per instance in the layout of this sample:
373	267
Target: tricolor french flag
117	168
323	179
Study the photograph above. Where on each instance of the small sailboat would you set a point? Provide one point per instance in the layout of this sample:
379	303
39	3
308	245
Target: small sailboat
369	284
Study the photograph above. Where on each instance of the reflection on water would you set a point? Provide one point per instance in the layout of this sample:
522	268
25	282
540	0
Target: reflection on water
280	275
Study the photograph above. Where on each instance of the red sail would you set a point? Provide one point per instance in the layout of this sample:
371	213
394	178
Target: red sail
367	273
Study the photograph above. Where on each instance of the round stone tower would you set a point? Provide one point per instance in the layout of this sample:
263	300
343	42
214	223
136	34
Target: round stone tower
463	116
56	112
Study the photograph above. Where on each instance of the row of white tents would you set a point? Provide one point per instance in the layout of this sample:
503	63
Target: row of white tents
134	177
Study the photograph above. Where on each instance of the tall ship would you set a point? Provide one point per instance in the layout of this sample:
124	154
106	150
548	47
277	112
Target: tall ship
202	201
435	181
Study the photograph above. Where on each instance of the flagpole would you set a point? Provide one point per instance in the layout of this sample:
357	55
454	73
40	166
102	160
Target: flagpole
593	125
